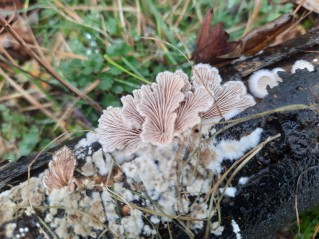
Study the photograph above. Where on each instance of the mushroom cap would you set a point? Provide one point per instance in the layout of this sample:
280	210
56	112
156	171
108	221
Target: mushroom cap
260	80
302	64
204	75
130	113
276	70
187	87
157	106
61	170
188	112
230	100
114	133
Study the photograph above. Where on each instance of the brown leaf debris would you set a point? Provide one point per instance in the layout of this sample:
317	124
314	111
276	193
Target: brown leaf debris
212	42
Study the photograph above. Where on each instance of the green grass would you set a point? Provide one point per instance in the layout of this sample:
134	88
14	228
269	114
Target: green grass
309	225
111	49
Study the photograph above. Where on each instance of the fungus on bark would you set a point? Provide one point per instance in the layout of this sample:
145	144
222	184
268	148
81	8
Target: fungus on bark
188	112
114	133
61	170
229	99
157	105
300	65
130	113
260	80
158	112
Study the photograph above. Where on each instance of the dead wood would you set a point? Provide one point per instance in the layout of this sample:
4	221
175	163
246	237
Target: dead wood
283	175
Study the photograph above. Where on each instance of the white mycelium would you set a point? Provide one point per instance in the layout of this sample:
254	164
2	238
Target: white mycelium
154	158
243	180
236	229
230	191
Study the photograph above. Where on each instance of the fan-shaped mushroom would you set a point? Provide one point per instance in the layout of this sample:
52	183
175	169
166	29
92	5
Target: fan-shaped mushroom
260	80
61	169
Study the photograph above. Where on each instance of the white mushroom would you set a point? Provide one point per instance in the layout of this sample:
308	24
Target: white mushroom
260	80
302	64
276	70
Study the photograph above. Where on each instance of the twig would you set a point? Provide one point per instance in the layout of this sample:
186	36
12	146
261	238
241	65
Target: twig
31	99
74	90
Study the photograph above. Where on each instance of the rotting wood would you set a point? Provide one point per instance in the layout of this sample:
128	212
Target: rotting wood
273	55
277	174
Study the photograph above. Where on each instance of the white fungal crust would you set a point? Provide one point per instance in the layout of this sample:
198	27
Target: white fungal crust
113	133
300	65
233	149
157	105
260	80
236	229
61	170
188	112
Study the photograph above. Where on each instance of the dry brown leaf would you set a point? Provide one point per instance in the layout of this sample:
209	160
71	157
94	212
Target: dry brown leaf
212	42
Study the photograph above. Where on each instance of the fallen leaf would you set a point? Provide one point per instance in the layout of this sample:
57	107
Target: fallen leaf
212	42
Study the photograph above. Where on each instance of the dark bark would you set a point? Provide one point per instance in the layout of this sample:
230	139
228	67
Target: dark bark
284	169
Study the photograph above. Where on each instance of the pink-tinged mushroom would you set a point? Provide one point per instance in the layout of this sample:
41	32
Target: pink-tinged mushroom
205	75
130	113
188	112
113	133
61	170
230	100
187	87
157	105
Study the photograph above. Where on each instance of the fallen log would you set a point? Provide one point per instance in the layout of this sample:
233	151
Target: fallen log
282	177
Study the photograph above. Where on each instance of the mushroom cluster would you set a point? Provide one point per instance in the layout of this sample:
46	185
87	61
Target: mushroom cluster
159	112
